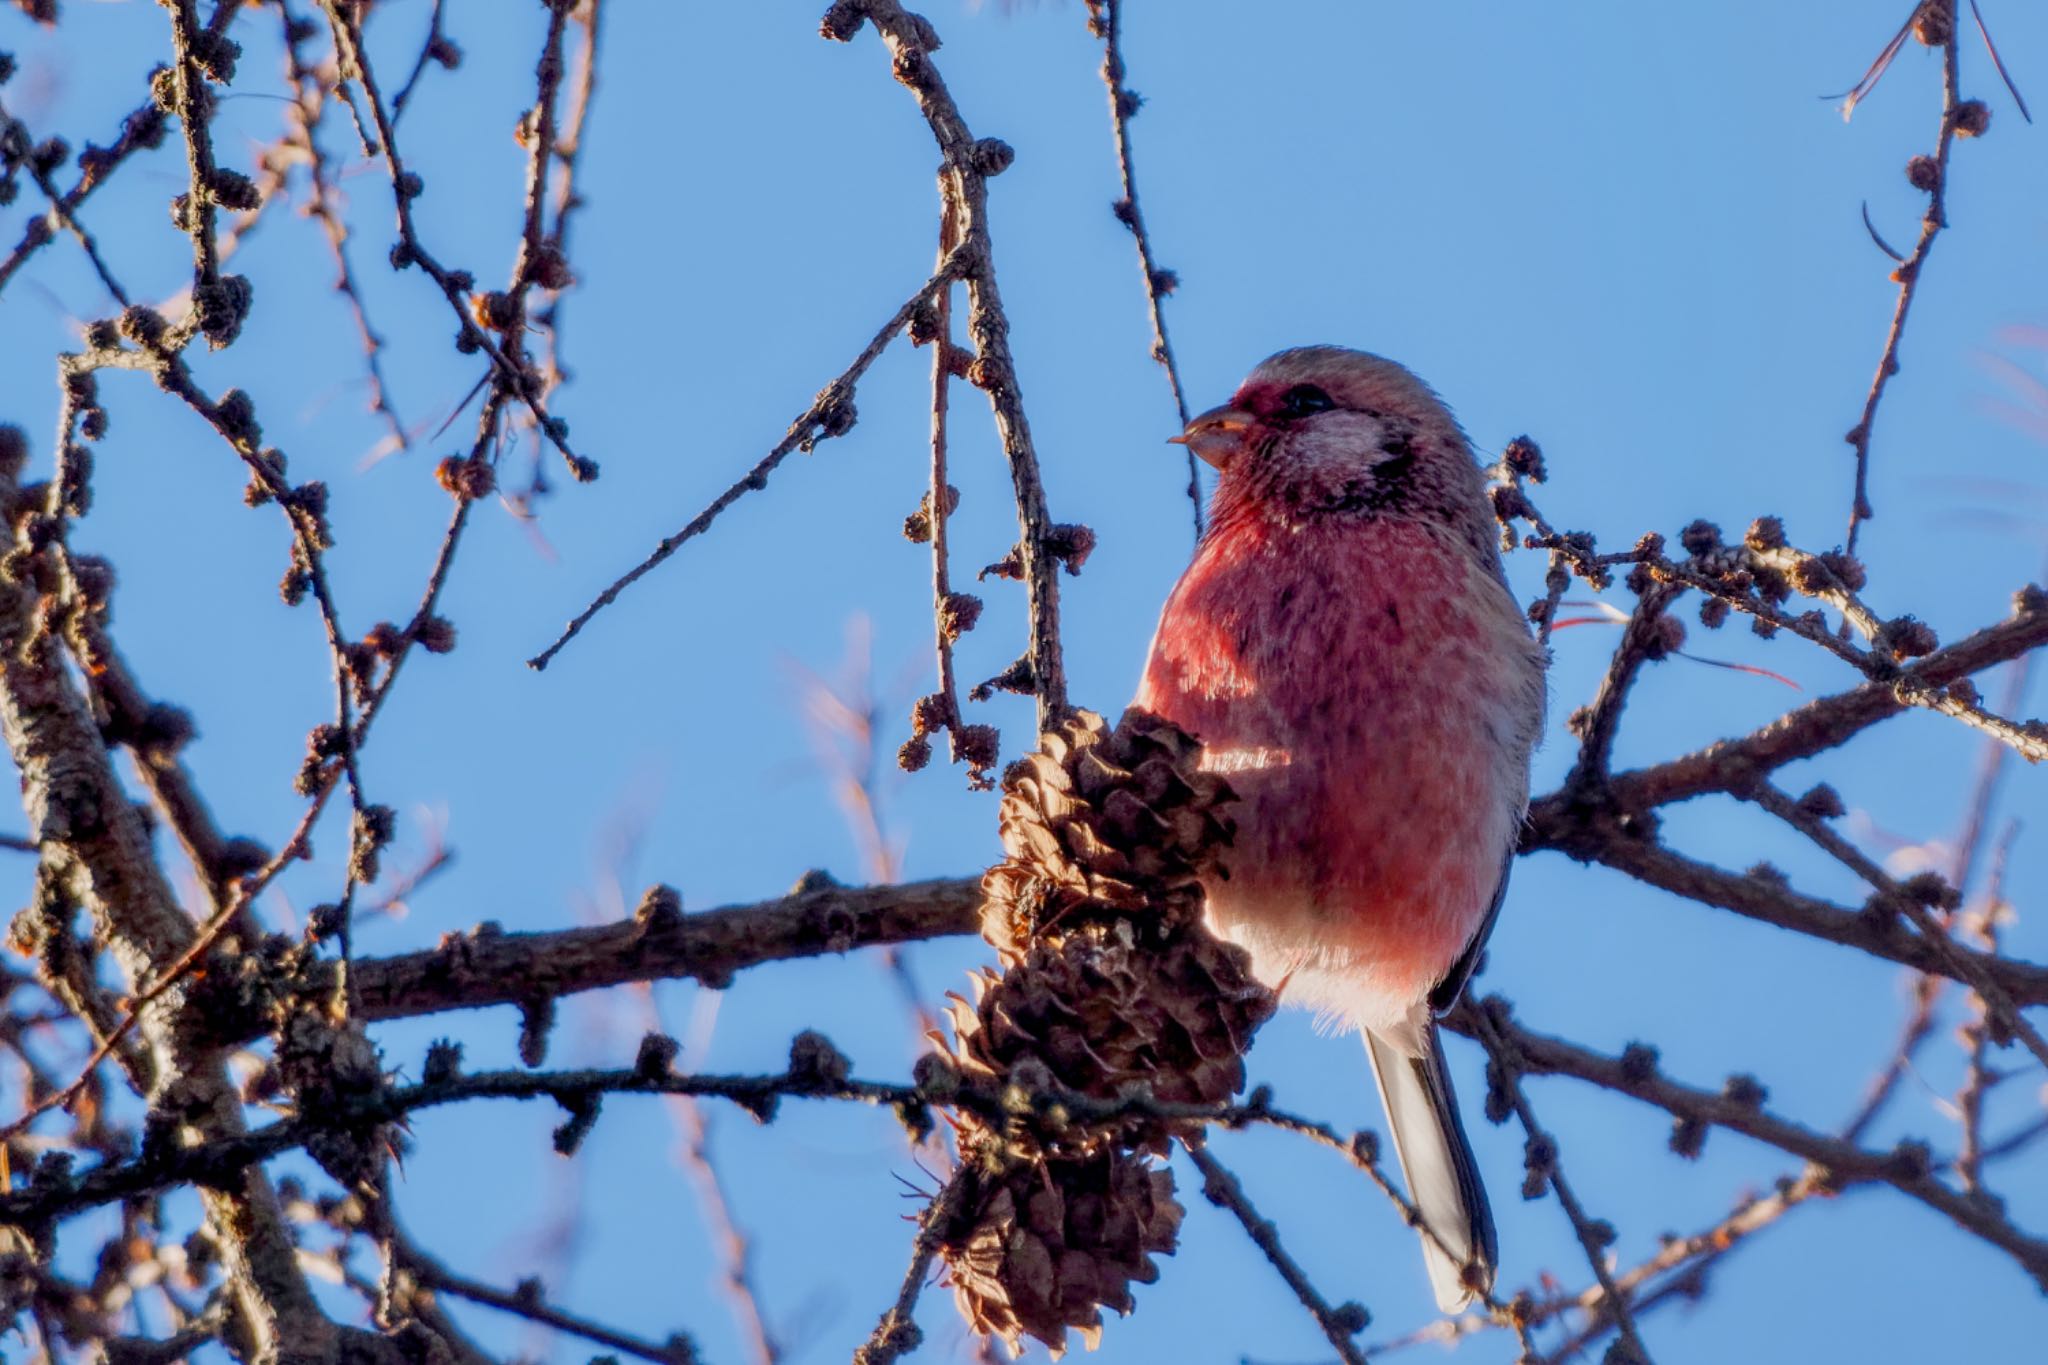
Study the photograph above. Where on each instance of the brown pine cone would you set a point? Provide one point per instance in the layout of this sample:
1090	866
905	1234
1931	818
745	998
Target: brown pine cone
1050	1244
1111	987
1103	823
1103	1015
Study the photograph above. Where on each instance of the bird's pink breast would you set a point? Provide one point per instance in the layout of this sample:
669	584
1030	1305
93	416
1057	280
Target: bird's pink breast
1356	682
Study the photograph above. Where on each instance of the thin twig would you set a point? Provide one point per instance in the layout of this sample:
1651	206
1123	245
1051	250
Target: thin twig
1106	20
525	1301
1545	1169
897	1334
830	414
1909	271
1340	1324
969	162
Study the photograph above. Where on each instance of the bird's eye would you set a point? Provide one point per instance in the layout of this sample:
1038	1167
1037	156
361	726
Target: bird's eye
1303	400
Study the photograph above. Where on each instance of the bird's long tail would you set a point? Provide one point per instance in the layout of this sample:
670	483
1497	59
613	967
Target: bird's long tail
1436	1161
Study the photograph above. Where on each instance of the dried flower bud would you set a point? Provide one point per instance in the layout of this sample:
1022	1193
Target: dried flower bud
1069	543
216	54
1745	1090
549	268
923	326
235	415
1908	637
1665	636
472	478
837	417
536	1021
144	326
1822	802
1973	118
959	614
163	89
1700	538
930	713
991	156
1524	458
497	310
815	1065
656	1057
1847	568
841	21
978	746
370	832
383	639
436	635
915	754
234	191
660	907
1933	890
1923	173
221	307
323	923
443	1064
1688	1137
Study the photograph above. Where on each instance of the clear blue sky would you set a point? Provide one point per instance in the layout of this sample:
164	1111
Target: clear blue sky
1630	231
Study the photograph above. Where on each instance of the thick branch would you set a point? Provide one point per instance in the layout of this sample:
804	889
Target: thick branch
1762	898
488	967
97	853
1811	729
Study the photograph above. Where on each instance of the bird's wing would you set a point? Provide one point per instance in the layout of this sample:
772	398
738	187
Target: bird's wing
1446	992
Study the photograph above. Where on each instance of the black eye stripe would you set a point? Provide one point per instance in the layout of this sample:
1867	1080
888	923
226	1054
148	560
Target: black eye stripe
1303	400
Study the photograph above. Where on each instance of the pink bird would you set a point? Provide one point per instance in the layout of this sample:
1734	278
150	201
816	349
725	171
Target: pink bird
1345	647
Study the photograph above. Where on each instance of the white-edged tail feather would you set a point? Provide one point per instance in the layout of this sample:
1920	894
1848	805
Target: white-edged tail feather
1437	1164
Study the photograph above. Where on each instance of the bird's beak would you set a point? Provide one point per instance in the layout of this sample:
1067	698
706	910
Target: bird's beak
1216	435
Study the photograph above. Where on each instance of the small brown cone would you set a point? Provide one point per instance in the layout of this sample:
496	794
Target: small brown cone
1050	1244
1103	1015
1111	987
1100	823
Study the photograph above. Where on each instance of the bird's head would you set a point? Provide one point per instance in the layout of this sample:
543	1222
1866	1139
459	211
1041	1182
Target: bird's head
1340	430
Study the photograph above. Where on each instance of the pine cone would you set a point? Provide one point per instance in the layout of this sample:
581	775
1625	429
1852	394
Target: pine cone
1050	1244
1104	1014
1101	822
1112	981
1111	986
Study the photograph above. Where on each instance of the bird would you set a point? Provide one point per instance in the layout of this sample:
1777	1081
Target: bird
1345	648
